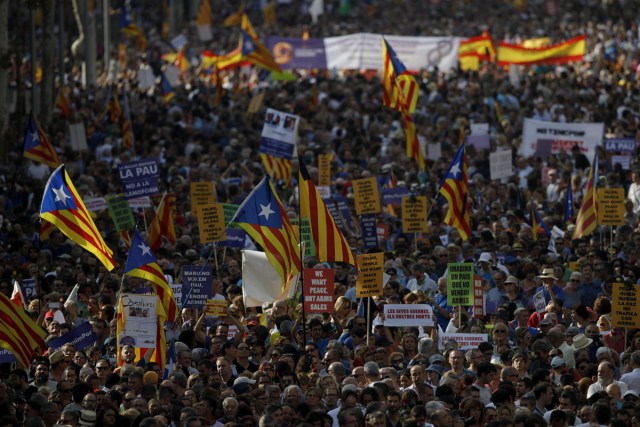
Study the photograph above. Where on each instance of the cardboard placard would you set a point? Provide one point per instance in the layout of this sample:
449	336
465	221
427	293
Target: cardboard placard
611	206
400	315
501	164
478	297
369	231
211	223
460	284
464	341
369	279
197	285
324	169
624	306
366	195
414	214
539	302
318	289
202	193
121	214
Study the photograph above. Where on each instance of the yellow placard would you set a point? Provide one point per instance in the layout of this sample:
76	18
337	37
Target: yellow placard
624	306
216	308
255	103
202	193
414	214
324	170
211	223
369	280
366	195
611	206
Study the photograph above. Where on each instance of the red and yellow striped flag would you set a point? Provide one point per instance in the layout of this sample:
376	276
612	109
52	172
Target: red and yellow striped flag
328	239
18	333
587	219
570	51
277	167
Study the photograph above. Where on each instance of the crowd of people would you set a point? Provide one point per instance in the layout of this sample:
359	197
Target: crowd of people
567	365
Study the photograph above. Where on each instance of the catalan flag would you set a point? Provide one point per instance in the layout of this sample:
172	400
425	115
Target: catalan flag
162	224
537	224
455	189
127	132
18	333
204	13
171	359
561	53
269	13
235	18
587	220
399	87
278	167
167	90
568	205
413	143
115	111
45	230
263	217
129	27
37	146
63	207
142	263
256	53
329	241
62	102
476	49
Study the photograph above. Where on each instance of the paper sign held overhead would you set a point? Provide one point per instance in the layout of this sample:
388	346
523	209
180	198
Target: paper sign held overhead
501	164
624	308
202	193
414	214
369	279
610	206
366	195
318	290
460	284
211	223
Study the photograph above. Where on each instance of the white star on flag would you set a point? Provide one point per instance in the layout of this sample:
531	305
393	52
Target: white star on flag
455	169
35	136
61	196
146	250
266	211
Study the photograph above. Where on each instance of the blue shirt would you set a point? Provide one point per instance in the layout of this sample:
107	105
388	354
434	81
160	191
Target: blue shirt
441	300
588	292
557	290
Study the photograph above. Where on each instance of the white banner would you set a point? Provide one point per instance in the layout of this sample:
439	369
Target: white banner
501	164
364	51
260	282
400	315
279	134
140	320
464	341
544	138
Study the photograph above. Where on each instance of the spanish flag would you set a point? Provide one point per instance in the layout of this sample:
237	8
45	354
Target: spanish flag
476	49
561	53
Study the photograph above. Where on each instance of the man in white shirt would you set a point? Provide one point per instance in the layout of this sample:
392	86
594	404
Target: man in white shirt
421	281
605	378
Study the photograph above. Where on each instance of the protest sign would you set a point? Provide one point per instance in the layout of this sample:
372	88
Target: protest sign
279	134
539	302
479	128
235	238
620	145
394	196
318	289
369	279
366	194
29	288
78	137
434	151
324	170
610	206
139	178
211	223
480	142
141	321
501	164
369	231
256	103
400	315
121	214
464	341
382	232
229	210
81	337
414	214
624	306
140	202
302	231
460	284
197	285
7	357
202	194
95	204
478	298
559	137
177	293
216	308
623	159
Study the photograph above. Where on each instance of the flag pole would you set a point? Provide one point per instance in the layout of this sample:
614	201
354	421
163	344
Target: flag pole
301	251
368	319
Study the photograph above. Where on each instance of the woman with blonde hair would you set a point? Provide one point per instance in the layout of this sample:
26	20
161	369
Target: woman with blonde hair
344	309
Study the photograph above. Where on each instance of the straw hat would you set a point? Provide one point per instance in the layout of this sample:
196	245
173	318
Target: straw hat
581	341
547	273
